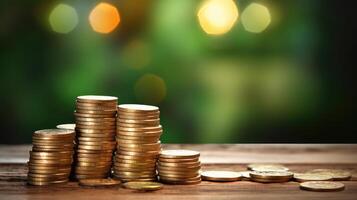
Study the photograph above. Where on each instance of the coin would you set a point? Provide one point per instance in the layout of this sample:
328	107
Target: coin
221	176
56	133
145	186
271	176
302	177
322	186
267	167
178	160
179	154
99	182
96	98
137	108
337	174
66	126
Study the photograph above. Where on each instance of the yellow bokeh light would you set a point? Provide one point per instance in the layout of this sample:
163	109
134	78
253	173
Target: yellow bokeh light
150	89
256	18
217	17
104	18
63	18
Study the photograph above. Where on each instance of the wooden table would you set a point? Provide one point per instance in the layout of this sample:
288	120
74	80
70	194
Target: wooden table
298	157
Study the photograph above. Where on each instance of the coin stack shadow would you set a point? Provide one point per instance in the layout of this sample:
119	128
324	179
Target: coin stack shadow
179	167
51	156
138	142
95	133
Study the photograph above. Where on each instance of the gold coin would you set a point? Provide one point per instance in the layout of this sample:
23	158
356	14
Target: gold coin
140	129
145	186
264	180
66	126
178	160
41	183
95	112
54	133
127	125
322	186
337	174
89	123
41	171
124	159
99	182
179	169
141	121
94	127
51	154
302	177
267	167
192	178
91	176
80	151
126	116
96	98
96	120
180	165
151	154
93	104
221	176
137	108
179	154
271	175
156	134
76	114
90	139
144	139
173	174
97	143
183	182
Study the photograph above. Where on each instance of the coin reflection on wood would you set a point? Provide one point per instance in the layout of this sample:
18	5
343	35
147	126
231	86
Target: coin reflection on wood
95	130
51	156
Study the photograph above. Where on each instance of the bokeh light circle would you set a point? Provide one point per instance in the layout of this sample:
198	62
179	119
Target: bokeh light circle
255	18
63	18
150	88
217	17
104	18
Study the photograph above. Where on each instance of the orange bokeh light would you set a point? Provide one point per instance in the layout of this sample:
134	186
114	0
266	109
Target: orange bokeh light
104	18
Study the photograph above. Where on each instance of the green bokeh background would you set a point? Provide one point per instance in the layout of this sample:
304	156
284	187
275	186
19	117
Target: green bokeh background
286	84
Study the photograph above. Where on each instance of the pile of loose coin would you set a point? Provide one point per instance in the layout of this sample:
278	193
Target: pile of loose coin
51	156
95	118
138	142
179	167
321	180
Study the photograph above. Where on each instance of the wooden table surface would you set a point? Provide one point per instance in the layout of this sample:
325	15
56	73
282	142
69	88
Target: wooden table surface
298	157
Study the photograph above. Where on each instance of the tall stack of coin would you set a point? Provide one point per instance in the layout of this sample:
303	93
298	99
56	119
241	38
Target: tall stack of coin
95	131
179	167
138	142
51	156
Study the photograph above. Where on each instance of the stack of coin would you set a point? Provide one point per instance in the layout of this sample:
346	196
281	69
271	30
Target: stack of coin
271	176
179	167
95	131
51	156
138	142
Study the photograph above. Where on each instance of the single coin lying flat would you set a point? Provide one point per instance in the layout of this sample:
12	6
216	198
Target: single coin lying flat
143	186
221	176
322	186
302	177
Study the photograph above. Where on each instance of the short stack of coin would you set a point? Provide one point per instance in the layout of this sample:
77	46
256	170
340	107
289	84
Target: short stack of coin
95	132
271	176
179	167
138	142
51	156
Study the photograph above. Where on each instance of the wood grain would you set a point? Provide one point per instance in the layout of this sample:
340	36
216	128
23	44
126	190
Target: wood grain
298	157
